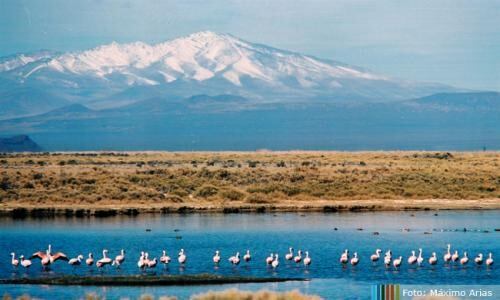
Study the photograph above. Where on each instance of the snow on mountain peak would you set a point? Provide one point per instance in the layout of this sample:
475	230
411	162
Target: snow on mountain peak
199	56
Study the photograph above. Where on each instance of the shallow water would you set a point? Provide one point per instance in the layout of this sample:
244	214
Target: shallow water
201	234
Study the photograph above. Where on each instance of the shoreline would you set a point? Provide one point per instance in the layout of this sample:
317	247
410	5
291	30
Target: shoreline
145	280
110	210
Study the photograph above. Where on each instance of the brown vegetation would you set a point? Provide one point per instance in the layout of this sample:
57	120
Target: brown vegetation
217	180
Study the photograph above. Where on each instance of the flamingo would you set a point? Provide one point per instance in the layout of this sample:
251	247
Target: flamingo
376	256
235	260
307	259
269	259
355	259
275	262
464	260
489	261
140	263
152	263
479	259
105	260
454	257
43	256
76	261
182	257
289	255
420	259
90	260
447	256
27	263
119	259
433	259
56	256
165	259
216	257
298	258
397	262
412	259
14	262
247	257
344	258
388	258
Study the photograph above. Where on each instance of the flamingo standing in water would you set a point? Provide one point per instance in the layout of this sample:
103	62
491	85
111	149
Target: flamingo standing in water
140	263
412	259
479	259
388	258
26	263
289	255
165	259
216	258
447	256
76	261
307	259
46	258
397	262
235	260
152	262
14	262
56	256
420	259
464	260
90	260
105	260
119	259
355	259
269	259
344	258
433	259
275	262
247	257
455	256
375	257
298	258
182	257
489	261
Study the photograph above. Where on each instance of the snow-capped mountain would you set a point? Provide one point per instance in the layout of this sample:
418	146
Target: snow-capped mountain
201	63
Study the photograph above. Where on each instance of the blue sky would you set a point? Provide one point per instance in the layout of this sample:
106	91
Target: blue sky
453	42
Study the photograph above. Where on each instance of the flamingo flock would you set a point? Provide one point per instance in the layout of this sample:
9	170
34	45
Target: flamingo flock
145	261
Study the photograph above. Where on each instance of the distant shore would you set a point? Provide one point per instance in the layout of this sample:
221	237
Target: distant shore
129	183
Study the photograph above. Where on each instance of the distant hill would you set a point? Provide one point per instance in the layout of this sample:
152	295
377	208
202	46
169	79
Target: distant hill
19	143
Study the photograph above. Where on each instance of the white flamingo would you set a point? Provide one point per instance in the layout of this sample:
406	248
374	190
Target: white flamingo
247	257
76	261
235	260
216	258
269	259
289	255
489	261
140	263
376	255
344	258
26	263
455	256
14	261
105	260
152	263
307	259
433	259
464	260
275	262
182	257
447	256
165	259
420	259
388	258
298	257
479	259
355	259
397	262
413	258
90	260
119	259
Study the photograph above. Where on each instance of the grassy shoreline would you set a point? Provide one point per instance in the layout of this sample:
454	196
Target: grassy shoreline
129	183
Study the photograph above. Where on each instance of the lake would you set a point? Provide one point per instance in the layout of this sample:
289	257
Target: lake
201	234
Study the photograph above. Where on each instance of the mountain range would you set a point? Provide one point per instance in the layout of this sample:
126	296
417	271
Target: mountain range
217	92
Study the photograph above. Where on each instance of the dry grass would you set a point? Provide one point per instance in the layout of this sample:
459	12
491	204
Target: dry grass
234	294
165	179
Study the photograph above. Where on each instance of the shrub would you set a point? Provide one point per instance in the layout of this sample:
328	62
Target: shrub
257	198
232	194
207	191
